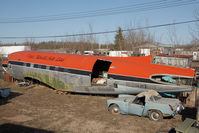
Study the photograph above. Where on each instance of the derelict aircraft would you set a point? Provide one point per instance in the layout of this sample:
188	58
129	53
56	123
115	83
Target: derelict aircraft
97	74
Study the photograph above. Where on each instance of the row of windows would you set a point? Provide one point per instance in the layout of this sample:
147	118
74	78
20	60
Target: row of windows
61	69
52	68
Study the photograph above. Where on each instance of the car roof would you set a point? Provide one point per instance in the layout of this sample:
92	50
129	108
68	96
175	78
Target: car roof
148	93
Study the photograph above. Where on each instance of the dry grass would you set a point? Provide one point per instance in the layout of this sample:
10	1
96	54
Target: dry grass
43	110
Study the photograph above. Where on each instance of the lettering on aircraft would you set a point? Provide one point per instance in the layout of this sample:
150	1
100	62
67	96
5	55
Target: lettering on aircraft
30	56
51	58
41	57
59	59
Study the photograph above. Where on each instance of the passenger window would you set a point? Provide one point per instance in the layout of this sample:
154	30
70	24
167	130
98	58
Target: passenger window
52	68
43	67
61	69
139	100
56	68
48	67
28	64
20	63
66	70
36	65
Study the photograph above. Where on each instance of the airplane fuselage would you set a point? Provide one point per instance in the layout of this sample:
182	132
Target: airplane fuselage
95	74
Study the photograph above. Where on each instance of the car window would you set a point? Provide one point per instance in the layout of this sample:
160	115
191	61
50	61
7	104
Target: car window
156	98
151	99
139	100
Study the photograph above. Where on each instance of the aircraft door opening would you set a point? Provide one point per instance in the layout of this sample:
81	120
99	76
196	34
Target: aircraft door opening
100	72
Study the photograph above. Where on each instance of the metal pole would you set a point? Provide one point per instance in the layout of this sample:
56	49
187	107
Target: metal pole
197	116
197	106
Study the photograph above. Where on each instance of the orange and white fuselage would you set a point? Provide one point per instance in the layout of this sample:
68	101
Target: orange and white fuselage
97	74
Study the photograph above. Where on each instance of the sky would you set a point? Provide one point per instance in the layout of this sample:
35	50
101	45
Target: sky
133	18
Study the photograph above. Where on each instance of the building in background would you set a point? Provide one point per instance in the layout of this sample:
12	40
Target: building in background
151	49
88	52
107	52
101	52
120	53
6	50
183	61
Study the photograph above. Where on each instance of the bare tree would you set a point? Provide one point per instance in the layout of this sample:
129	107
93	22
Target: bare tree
173	37
91	38
194	31
134	38
30	42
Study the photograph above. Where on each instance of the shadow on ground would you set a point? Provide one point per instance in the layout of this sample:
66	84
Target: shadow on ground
11	96
189	112
13	128
166	131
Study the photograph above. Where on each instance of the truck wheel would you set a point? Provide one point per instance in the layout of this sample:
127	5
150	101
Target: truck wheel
155	115
114	109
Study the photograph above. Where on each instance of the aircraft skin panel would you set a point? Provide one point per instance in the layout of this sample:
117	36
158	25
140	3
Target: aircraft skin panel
49	80
79	72
18	71
141	85
62	81
86	62
130	78
140	59
146	70
81	83
73	72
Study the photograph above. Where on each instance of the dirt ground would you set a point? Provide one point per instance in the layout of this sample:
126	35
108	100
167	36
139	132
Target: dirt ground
39	109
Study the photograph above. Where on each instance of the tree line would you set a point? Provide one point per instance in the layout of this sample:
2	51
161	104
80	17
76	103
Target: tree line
121	42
